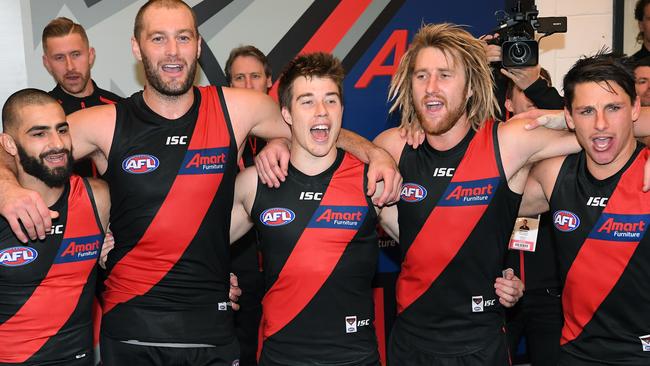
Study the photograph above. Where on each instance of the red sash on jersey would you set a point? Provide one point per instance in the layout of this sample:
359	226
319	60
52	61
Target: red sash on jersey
173	228
320	247
452	220
55	299
603	257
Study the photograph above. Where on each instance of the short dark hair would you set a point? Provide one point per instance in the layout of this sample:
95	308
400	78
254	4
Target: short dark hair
317	64
600	68
644	61
19	99
247	51
639	10
61	27
168	4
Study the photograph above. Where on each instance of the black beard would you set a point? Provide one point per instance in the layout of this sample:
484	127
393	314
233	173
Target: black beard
53	178
167	89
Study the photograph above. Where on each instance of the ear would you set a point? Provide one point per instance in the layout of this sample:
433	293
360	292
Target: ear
46	63
636	108
269	83
135	48
287	116
198	48
509	106
8	144
569	119
91	56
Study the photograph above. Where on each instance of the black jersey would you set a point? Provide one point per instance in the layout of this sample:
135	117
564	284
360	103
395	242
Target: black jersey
597	227
172	184
70	104
319	245
47	287
456	214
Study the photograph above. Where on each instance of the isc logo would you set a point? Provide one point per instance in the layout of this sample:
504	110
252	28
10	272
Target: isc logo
443	172
311	196
565	221
56	229
17	256
597	201
412	192
176	140
140	164
277	216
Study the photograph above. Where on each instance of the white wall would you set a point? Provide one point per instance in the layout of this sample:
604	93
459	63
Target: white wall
12	58
589	28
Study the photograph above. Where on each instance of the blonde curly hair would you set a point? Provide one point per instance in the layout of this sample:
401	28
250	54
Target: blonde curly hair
462	46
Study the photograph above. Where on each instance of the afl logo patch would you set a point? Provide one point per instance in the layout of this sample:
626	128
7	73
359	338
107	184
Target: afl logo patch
412	192
277	216
140	164
565	221
17	256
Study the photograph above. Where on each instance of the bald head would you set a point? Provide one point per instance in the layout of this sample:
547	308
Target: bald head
167	4
19	100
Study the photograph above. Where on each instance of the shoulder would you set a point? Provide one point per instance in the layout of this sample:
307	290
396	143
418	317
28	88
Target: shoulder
391	141
97	114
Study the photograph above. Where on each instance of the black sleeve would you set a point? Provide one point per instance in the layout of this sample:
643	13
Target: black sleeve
544	96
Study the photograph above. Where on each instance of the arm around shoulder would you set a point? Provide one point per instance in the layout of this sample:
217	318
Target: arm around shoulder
539	186
92	131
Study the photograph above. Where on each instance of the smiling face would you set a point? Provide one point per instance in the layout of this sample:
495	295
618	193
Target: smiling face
602	116
168	47
439	90
43	144
315	116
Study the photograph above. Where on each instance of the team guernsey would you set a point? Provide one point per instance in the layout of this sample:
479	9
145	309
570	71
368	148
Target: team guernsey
456	214
48	286
319	245
172	184
604	257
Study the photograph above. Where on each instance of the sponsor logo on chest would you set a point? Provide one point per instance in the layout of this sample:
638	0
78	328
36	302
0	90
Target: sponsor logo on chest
338	217
205	161
616	227
17	256
412	192
565	221
79	249
140	164
277	216
477	192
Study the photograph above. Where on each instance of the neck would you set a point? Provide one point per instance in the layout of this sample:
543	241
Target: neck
451	138
604	171
170	107
49	195
88	90
309	164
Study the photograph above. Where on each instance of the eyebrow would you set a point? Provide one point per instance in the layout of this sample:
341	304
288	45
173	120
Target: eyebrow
312	94
45	128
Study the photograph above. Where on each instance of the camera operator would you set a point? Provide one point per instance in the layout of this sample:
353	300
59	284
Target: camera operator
527	79
642	15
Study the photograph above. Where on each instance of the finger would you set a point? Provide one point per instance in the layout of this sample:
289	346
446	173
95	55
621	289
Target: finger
279	174
389	188
402	132
372	184
397	189
271	181
45	214
234	281
235	306
260	172
284	164
18	230
28	224
646	176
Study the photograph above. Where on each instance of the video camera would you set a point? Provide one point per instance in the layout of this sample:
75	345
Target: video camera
517	28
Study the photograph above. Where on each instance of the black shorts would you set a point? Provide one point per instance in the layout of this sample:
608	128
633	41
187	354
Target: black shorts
494	353
118	353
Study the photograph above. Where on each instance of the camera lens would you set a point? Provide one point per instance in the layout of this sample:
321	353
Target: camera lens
519	53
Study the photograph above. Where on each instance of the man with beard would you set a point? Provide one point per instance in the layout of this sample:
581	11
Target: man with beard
68	57
170	156
47	286
466	181
599	219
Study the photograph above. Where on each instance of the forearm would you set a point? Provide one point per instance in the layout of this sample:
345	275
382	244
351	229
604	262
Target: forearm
356	145
7	168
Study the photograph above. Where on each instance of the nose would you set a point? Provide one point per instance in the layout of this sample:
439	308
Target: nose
601	122
56	143
321	109
171	48
432	85
249	82
69	65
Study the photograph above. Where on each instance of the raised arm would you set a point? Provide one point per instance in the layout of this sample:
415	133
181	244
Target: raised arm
539	187
92	131
245	191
